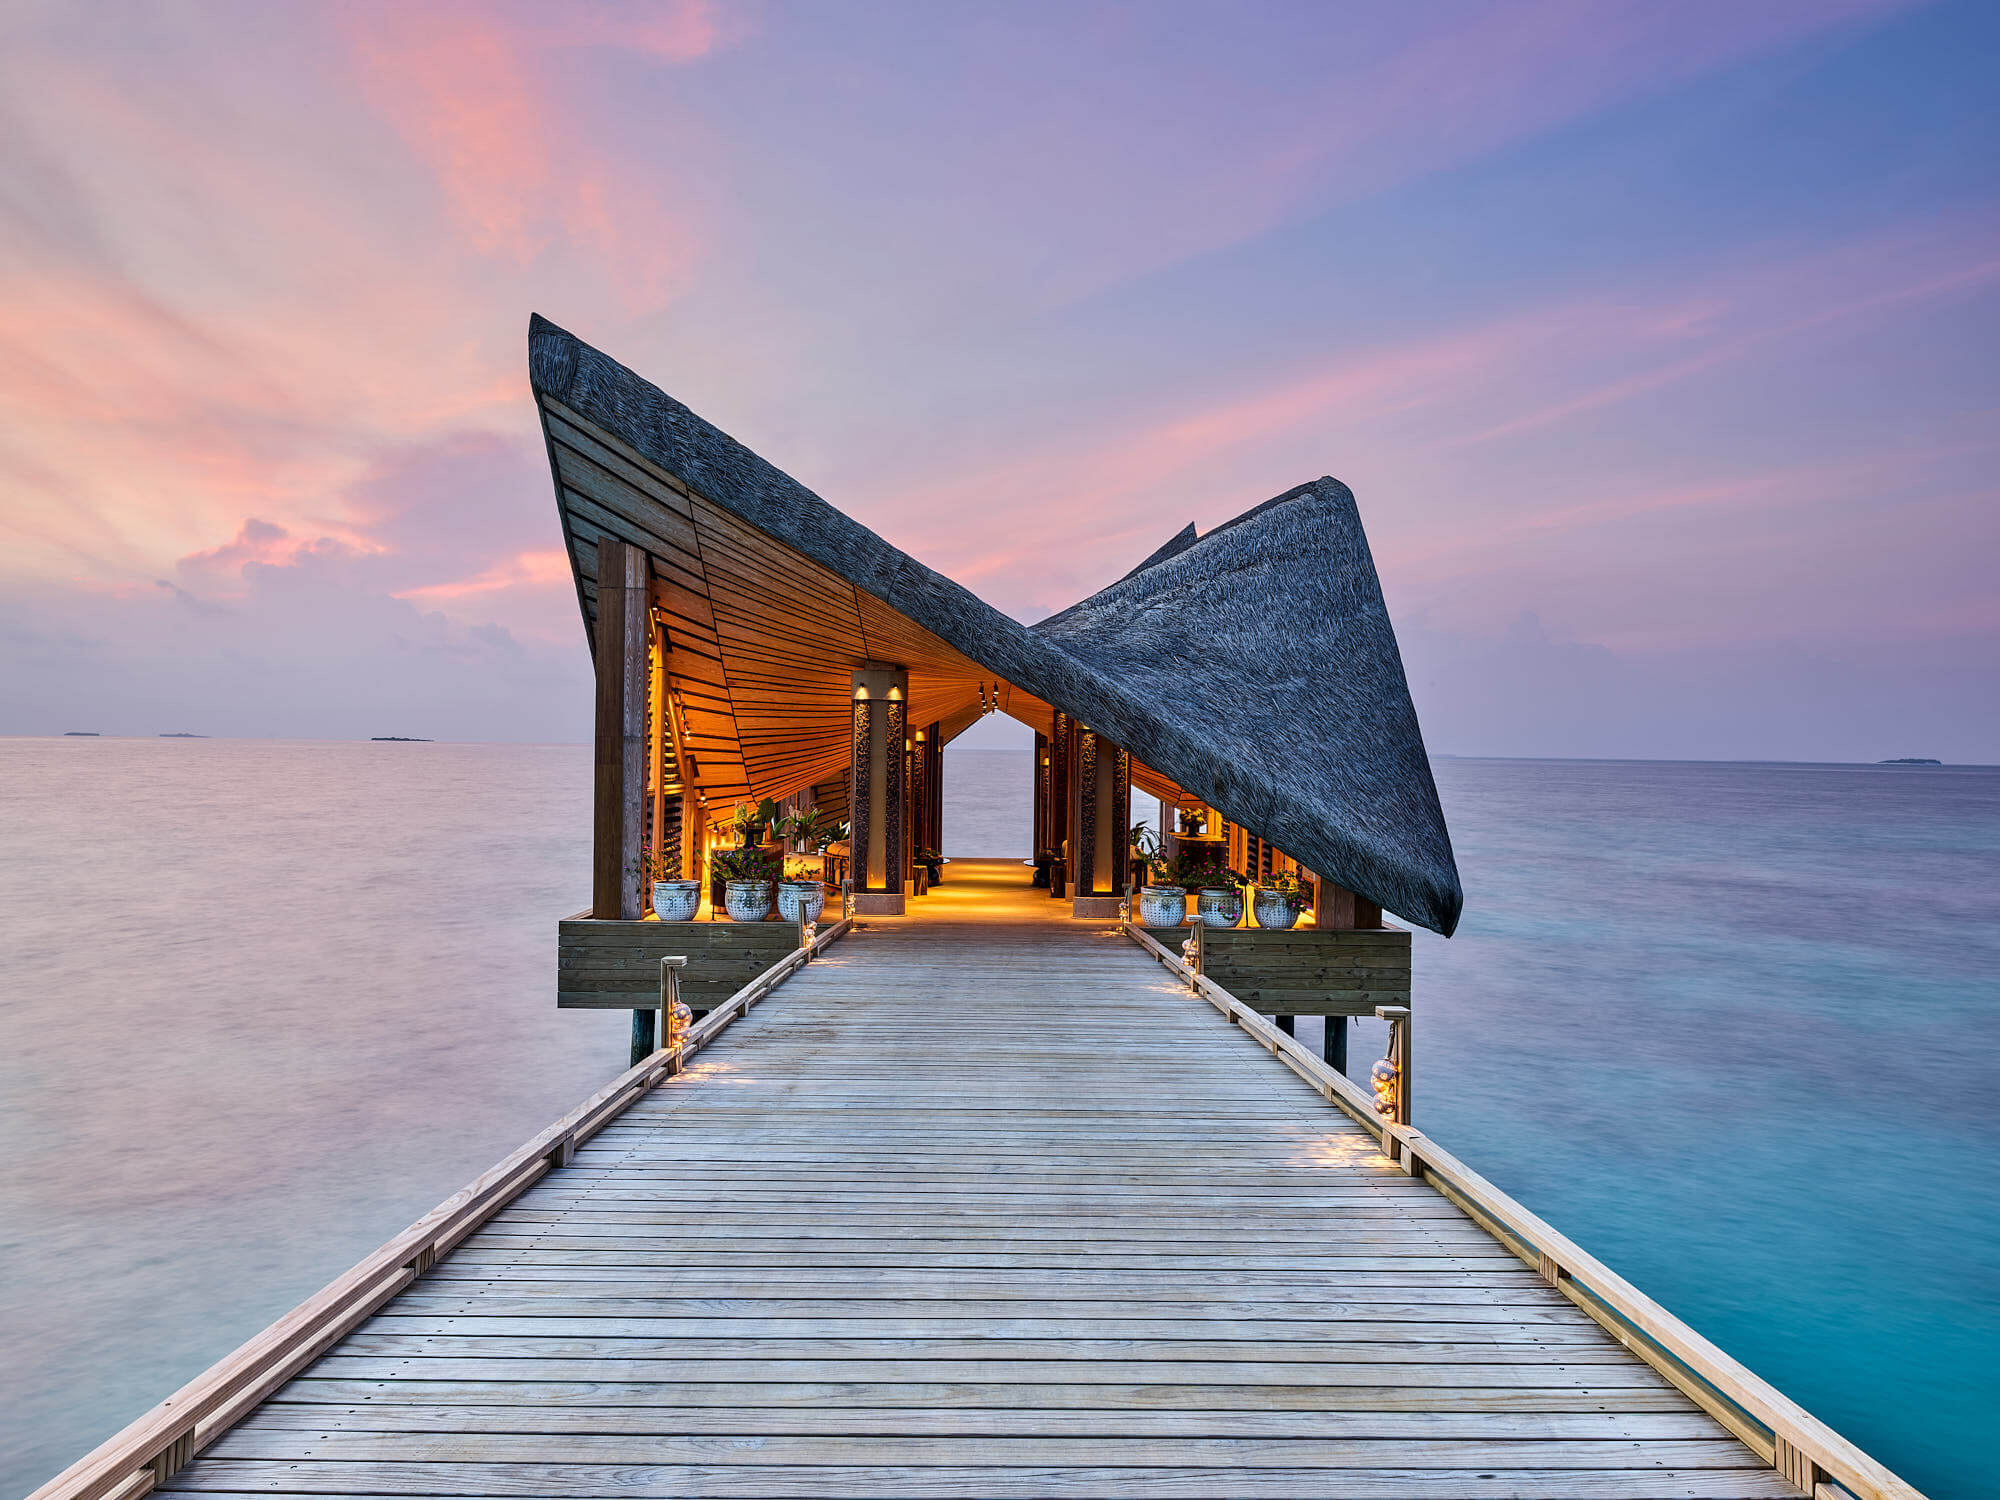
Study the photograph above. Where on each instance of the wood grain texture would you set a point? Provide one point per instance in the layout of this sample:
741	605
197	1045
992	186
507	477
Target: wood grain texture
981	1202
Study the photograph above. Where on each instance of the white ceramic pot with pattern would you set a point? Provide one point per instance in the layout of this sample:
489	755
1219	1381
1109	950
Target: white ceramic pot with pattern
676	900
801	900
747	900
1162	906
1274	910
1219	906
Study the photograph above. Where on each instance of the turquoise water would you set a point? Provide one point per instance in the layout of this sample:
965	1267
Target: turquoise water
1731	1027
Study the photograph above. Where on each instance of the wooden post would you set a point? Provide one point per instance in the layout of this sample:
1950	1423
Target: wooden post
1398	1017
624	618
670	995
1334	1050
643	1045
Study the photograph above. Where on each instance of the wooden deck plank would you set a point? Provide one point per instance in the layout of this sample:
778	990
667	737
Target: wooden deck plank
984	1208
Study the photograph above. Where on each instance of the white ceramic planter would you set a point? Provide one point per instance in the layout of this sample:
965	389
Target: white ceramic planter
1219	906
801	900
1162	906
747	900
676	900
1274	911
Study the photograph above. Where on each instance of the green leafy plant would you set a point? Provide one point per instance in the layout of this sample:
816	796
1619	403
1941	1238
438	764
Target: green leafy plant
1295	891
1145	843
655	865
743	864
751	823
812	830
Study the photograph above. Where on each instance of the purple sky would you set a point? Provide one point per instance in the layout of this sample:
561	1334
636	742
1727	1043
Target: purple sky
1657	341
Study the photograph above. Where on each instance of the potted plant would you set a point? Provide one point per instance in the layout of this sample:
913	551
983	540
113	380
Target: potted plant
801	894
1217	889
752	824
1145	852
747	876
1279	900
674	899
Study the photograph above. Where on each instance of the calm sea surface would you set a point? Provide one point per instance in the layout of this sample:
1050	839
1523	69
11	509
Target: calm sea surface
1734	1028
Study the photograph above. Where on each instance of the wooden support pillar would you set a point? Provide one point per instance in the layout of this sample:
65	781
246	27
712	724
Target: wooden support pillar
1100	823
1334	1050
878	794
1338	909
624	625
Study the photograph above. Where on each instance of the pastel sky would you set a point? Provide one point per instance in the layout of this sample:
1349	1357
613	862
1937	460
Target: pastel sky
1656	341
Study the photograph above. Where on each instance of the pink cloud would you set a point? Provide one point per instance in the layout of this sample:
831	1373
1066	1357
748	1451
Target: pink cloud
467	89
547	568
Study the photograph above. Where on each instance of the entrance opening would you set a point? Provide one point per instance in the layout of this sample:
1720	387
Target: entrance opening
989	791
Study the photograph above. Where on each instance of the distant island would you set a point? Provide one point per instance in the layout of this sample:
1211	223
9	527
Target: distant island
80	734
1910	760
182	734
398	739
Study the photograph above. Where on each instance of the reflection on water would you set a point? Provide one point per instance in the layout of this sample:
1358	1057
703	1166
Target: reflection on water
1729	1026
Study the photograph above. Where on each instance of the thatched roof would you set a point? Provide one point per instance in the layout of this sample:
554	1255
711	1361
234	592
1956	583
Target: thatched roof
1255	665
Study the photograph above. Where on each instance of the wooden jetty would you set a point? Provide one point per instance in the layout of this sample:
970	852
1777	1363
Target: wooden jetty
983	1201
1013	1190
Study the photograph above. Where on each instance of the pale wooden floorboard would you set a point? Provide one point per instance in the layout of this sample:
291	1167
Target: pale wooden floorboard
981	1204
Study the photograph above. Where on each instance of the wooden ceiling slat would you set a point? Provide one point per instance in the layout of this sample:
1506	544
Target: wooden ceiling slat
606	491
579	423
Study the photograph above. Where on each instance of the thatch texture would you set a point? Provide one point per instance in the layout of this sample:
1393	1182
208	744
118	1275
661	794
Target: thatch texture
1255	666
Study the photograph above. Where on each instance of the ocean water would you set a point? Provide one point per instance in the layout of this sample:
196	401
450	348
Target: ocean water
1731	1027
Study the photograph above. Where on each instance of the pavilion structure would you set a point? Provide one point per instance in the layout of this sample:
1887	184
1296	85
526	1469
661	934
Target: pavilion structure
753	642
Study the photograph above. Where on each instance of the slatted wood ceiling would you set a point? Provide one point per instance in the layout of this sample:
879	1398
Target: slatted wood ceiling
761	638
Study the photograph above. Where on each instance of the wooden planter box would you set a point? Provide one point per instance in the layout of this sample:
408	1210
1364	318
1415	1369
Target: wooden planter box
1303	972
607	964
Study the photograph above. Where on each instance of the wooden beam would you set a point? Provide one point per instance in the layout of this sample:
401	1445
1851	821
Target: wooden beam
623	627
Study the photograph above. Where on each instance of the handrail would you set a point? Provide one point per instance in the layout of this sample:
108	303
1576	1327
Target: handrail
164	1439
1804	1450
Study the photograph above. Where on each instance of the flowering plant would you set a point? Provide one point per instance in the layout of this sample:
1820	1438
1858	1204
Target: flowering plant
743	864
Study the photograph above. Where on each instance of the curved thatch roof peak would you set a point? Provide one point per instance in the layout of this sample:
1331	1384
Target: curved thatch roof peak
1268	640
1255	666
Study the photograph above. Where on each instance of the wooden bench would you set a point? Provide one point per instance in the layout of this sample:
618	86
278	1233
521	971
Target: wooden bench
609	964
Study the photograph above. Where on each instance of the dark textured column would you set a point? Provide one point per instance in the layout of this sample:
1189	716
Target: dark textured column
1101	797
878	789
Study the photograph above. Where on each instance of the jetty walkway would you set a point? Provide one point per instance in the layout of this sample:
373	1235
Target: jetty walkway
980	1203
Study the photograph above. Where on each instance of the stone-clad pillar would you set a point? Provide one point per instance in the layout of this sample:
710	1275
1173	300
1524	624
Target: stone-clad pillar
1100	821
879	797
1061	743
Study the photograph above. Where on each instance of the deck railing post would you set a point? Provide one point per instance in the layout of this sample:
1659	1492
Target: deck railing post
1398	1017
673	1014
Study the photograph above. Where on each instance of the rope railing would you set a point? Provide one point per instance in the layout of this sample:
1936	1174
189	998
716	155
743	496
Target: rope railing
1804	1450
161	1442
